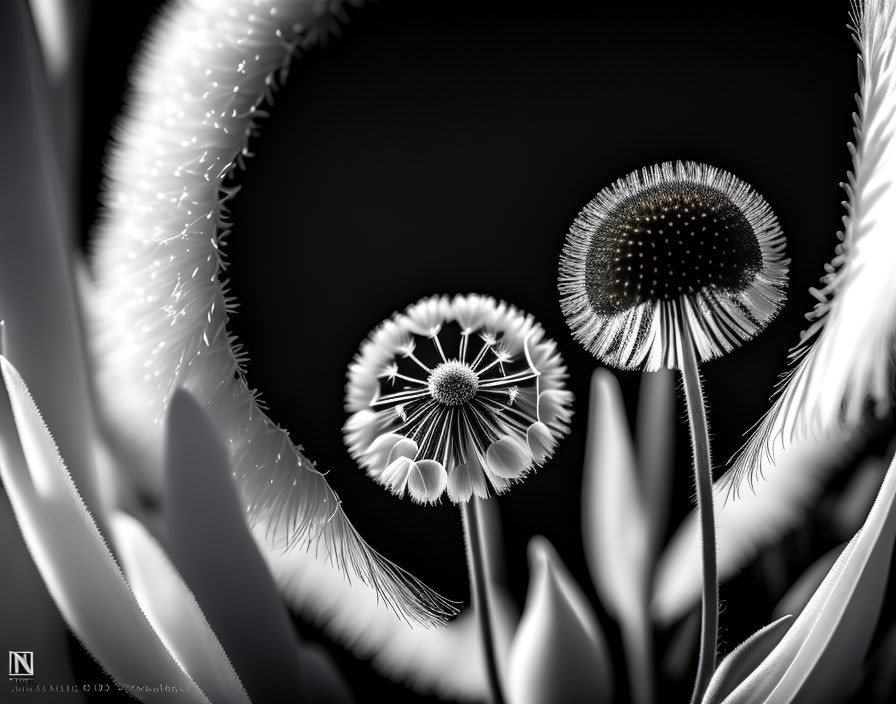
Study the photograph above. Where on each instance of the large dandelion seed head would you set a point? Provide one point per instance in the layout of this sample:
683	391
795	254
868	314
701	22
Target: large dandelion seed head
462	394
674	244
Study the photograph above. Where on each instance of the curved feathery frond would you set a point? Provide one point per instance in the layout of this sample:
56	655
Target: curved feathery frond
161	306
448	661
845	359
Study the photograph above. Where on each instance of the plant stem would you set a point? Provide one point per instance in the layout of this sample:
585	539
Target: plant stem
470	512
693	393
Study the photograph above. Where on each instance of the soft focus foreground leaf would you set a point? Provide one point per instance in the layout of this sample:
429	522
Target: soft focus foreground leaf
854	503
883	670
214	551
656	423
801	591
741	661
447	660
681	653
62	30
172	610
820	658
29	620
615	527
613	518
37	292
68	549
558	654
744	524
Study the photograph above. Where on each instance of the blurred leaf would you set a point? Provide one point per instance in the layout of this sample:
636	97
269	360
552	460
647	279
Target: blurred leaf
741	661
29	620
213	549
558	653
655	435
71	554
883	670
744	524
855	501
38	301
62	30
795	599
173	612
322	677
681	653
615	527
820	657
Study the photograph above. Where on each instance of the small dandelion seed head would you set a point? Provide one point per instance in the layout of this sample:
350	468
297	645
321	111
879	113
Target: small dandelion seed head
723	273
478	404
453	383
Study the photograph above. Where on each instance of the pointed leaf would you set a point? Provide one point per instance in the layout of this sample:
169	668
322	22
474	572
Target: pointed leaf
211	546
77	567
616	529
558	653
741	661
173	612
29	620
821	655
37	291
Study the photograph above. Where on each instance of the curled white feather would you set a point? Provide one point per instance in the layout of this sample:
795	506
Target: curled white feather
161	306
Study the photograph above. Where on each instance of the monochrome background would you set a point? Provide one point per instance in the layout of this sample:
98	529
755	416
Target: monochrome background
443	147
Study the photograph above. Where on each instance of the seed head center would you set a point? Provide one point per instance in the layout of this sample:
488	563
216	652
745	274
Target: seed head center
453	383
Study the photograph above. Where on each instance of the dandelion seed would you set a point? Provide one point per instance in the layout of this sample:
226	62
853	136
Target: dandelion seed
691	311
482	400
463	395
724	278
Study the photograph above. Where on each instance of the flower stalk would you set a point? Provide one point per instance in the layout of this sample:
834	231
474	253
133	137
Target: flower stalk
480	580
693	393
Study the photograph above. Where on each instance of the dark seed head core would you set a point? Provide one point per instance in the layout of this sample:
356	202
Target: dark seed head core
667	241
453	383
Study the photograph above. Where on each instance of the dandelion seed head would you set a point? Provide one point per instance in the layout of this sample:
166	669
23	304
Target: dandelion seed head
472	399
677	243
453	383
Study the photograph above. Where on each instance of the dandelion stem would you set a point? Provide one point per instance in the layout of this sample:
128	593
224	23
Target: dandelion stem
693	393
474	538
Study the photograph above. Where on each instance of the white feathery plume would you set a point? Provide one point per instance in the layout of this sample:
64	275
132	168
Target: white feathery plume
850	362
447	662
161	305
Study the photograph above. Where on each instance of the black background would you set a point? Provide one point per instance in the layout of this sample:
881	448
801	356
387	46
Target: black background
447	147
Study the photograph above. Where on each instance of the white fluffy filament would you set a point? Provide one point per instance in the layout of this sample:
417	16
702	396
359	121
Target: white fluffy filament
850	363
